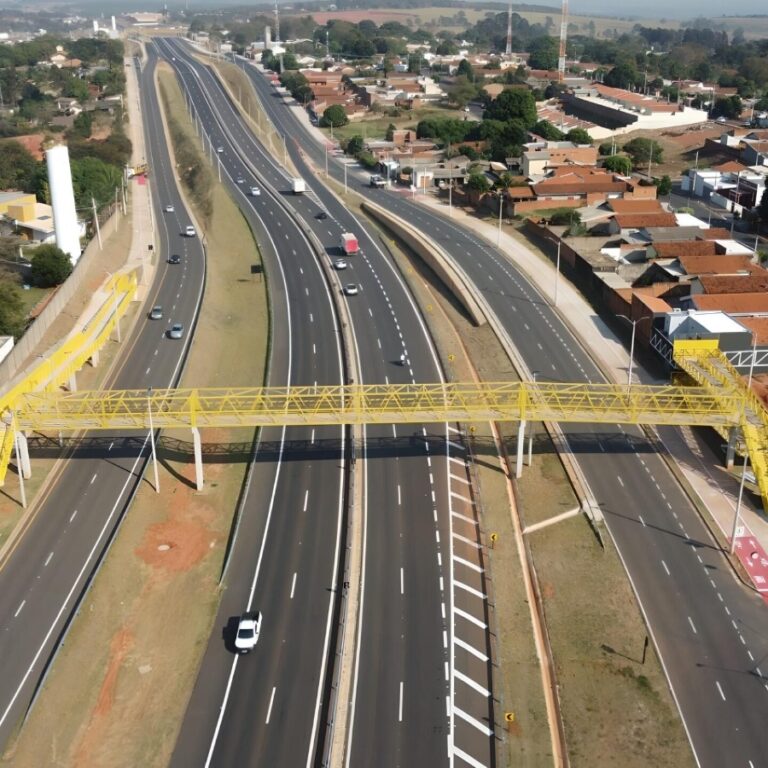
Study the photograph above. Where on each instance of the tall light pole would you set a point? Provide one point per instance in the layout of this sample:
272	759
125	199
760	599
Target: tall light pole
501	205
746	453
152	439
632	345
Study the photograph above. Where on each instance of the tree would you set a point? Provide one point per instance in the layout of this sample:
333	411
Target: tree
547	131
762	209
50	266
478	182
606	148
544	53
513	104
334	116
12	318
82	125
729	107
17	167
623	75
644	151
465	69
620	164
390	134
568	216
93	178
355	146
663	186
578	136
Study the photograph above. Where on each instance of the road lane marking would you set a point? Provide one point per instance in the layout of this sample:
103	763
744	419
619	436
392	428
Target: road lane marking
462	561
471	683
466	540
306	500
459	496
471	590
400	708
467	647
18	610
621	482
399	497
641	518
73	516
665	568
720	690
271	701
402	582
293	585
469	617
48	559
464	518
482	727
93	479
690	621
468	759
110	446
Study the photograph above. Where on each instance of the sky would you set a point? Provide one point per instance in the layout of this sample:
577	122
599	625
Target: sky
681	9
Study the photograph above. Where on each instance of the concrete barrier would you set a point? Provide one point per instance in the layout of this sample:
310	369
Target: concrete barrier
434	257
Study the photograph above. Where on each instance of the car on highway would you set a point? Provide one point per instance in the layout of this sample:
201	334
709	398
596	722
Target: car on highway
219	149
255	191
156	313
322	215
189	231
176	331
174	259
169	209
351	289
240	180
340	264
248	629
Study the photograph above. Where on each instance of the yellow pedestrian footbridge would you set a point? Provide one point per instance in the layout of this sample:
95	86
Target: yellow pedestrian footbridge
715	396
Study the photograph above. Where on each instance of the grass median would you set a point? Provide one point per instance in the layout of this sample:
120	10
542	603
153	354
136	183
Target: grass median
117	692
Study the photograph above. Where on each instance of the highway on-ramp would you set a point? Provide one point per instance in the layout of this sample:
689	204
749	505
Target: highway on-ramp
711	632
43	578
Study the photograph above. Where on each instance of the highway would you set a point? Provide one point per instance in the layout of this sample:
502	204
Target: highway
711	632
44	576
404	690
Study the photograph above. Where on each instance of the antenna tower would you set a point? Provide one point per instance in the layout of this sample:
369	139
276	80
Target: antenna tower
509	31
563	39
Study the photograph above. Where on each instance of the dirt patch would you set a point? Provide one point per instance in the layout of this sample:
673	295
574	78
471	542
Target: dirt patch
175	545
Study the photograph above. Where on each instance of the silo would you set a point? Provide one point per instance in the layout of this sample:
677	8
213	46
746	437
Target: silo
267	37
63	201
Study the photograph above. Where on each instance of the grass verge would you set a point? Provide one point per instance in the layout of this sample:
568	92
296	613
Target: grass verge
118	690
612	704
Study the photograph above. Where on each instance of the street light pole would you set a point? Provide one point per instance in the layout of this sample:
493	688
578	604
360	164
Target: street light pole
557	270
498	236
152	439
746	454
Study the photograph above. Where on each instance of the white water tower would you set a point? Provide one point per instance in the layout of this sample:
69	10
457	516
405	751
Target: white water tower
63	201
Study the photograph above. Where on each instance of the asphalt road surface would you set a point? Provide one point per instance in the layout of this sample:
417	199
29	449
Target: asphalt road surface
711	632
43	579
403	710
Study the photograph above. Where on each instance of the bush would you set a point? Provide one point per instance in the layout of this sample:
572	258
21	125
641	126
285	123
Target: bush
355	146
563	216
50	266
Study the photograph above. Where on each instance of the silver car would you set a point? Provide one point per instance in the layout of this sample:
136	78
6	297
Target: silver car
156	313
351	289
176	331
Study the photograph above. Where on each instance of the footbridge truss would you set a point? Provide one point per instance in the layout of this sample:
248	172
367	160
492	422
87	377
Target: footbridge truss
718	399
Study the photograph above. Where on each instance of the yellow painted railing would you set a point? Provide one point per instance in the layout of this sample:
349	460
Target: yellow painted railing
55	371
376	404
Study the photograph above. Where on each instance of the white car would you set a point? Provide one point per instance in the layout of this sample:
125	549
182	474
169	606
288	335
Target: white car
248	629
351	289
189	231
176	331
219	149
339	264
169	209
255	191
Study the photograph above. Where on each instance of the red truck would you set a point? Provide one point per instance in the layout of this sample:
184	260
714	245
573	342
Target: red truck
349	244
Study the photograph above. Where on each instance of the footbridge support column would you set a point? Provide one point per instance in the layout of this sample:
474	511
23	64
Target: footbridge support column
25	467
520	449
730	451
198	458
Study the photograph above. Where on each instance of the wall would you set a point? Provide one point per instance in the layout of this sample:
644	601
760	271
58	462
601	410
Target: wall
31	338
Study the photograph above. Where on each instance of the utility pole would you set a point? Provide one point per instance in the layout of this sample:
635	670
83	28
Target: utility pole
96	223
509	31
563	39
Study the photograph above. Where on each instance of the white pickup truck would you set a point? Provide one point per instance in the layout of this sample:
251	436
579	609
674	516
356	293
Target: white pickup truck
248	629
